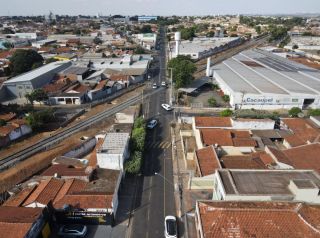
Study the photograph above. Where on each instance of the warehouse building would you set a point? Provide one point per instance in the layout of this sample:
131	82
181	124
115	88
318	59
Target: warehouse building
203	47
261	80
25	83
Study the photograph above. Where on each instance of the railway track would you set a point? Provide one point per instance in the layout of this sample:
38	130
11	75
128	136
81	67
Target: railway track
47	143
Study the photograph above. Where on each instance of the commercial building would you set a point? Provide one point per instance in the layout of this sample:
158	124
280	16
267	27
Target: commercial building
200	48
25	83
146	18
304	42
266	185
261	80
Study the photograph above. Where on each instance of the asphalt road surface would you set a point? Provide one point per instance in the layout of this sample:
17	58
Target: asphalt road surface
155	193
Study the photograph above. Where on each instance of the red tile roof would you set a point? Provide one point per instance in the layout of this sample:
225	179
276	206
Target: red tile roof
6	130
213	122
45	192
208	160
303	130
85	201
216	136
17	221
259	219
18	199
301	157
8	116
244	142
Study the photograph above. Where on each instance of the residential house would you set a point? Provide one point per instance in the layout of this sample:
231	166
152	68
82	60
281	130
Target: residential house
114	151
256	219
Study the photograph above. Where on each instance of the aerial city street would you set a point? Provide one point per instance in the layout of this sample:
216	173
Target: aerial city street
149	119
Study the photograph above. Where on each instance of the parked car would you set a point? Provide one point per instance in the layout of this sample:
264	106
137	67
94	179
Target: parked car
154	85
163	84
166	107
170	224
152	124
73	230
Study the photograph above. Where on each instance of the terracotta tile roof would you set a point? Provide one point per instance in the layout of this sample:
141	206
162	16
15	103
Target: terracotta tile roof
6	130
18	122
224	137
114	77
303	131
63	50
303	157
70	186
18	199
259	219
64	170
242	162
267	159
93	156
244	142
85	201
279	155
17	221
207	160
7	116
213	122
45	192
216	136
101	84
80	88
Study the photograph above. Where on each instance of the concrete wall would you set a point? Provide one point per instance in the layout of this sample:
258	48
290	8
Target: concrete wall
82	149
110	161
253	125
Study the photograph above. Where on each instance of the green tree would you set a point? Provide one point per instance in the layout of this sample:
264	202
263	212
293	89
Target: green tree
50	60
139	50
7	45
212	102
145	29
138	139
133	165
295	47
226	113
226	98
294	112
139	123
23	60
36	120
188	33
215	86
38	95
183	69
97	41
314	112
258	29
3	122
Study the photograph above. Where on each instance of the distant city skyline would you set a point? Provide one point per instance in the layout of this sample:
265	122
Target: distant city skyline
157	7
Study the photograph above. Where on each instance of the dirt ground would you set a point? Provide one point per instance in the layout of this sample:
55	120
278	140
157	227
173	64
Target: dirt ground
307	62
14	147
40	161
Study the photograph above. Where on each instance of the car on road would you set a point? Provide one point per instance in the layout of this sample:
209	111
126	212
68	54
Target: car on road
73	230
152	124
166	107
164	84
170	224
154	85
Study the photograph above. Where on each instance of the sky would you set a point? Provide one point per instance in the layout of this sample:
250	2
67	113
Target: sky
157	7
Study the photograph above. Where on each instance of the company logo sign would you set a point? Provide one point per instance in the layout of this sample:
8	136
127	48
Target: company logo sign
258	100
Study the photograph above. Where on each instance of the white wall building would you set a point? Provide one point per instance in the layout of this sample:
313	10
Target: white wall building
114	151
261	80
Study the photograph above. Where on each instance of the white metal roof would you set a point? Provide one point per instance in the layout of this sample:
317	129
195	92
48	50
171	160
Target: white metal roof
114	143
29	76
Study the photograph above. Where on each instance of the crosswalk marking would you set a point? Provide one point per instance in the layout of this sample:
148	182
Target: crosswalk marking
158	144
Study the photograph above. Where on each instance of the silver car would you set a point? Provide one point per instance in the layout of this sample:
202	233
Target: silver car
73	230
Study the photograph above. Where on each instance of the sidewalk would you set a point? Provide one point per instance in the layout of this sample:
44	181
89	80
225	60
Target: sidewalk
189	196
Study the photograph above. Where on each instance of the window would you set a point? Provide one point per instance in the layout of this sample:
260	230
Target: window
20	87
60	99
28	87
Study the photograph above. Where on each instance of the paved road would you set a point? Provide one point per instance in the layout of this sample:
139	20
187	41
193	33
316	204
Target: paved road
155	194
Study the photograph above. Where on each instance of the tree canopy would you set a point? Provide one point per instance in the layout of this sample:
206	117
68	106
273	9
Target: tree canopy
38	95
24	60
182	69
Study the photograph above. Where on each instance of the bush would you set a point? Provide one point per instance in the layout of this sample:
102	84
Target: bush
212	102
226	113
294	112
314	112
138	139
215	86
226	98
133	166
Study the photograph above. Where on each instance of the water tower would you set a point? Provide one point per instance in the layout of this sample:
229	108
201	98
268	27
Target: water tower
177	38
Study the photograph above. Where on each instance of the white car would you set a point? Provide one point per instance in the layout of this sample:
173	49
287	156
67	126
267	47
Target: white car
154	85
152	124
170	224
167	107
163	84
